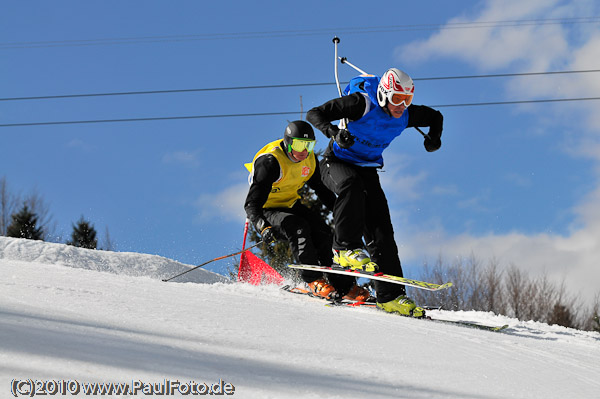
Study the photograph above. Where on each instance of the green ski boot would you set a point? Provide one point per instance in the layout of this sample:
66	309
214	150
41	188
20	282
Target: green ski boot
356	259
404	306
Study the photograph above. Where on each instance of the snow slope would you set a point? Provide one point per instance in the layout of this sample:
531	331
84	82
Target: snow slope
95	316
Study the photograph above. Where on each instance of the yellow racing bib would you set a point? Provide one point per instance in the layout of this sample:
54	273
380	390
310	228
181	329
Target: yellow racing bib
293	175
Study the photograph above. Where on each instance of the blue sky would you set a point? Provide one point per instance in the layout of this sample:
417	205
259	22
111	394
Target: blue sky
518	183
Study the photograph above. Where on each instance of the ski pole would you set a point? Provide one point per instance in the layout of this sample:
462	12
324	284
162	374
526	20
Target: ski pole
423	133
344	60
212	260
336	40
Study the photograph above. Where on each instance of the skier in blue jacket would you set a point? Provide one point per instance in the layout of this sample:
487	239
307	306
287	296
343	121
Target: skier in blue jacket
372	113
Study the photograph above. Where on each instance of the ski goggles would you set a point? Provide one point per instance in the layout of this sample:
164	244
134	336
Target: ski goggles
300	145
399	98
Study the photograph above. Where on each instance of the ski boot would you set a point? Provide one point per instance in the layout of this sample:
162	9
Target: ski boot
358	294
404	306
356	259
322	289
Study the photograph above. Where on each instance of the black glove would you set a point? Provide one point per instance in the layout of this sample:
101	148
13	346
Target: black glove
266	231
344	138
433	140
268	236
432	144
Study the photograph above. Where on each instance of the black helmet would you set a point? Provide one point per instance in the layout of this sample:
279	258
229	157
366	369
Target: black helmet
297	130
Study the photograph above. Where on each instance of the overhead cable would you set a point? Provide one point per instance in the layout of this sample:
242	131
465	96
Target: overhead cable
167	118
303	32
276	86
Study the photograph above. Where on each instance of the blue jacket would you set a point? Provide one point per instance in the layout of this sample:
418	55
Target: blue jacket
373	132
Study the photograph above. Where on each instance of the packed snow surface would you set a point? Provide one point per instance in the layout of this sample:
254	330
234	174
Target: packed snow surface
72	316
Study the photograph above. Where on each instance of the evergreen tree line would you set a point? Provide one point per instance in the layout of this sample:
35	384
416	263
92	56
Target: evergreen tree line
29	218
510	292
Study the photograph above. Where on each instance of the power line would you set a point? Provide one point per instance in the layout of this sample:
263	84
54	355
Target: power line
550	100
167	118
128	93
306	32
161	118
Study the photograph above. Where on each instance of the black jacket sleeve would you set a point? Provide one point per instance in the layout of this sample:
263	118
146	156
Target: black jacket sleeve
266	172
326	196
423	116
351	107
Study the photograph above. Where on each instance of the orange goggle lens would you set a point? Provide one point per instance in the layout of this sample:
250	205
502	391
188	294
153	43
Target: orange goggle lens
398	99
300	145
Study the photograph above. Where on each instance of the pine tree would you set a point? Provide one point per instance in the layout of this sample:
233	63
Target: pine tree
25	225
84	235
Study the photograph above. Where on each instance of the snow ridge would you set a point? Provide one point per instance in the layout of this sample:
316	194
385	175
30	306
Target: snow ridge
126	263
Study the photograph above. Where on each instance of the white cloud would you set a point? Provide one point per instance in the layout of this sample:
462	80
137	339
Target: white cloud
185	158
560	86
396	179
528	47
227	205
493	39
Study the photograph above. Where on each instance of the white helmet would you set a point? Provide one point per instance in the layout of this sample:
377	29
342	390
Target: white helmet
396	87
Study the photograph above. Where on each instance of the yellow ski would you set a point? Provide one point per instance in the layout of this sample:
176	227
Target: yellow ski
375	276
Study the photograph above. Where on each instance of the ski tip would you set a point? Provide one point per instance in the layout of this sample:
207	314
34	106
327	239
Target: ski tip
445	285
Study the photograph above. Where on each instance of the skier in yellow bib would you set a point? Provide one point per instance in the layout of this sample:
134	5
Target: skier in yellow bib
277	172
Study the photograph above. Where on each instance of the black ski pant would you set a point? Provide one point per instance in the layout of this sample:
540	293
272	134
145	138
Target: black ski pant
361	210
310	239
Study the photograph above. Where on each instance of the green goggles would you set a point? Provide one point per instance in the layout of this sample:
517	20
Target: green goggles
300	145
